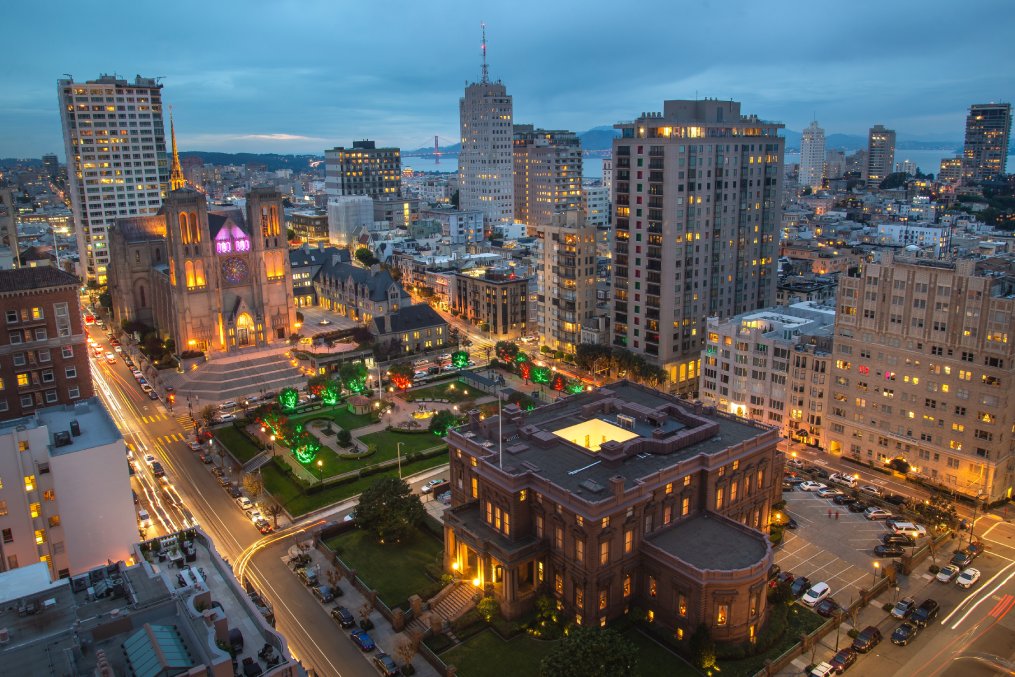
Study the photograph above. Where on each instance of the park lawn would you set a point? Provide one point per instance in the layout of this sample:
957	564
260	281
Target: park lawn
394	570
654	659
290	494
237	443
387	441
340	414
487	655
452	391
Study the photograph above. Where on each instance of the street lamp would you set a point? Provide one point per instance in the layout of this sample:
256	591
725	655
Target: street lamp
976	506
272	438
320	471
877	567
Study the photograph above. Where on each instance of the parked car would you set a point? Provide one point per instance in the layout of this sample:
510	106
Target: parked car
234	490
867	639
149	459
856	506
904	634
822	670
264	526
925	613
895	499
844	479
152	395
968	578
795	463
948	573
146	388
817	592
873	513
898	539
343	616
843	660
842	499
308	575
826	607
361	639
889	550
829	492
431	485
324	593
782	577
908	528
796	481
903	608
961	559
386	664
812	486
195	446
245	503
817	471
801	585
224	482
871	489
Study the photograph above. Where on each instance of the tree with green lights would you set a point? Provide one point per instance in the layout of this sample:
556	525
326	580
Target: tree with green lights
332	391
460	359
354	376
303	445
288	398
506	350
588	651
389	510
441	422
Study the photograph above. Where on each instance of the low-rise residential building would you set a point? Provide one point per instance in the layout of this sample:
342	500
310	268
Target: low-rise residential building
771	366
66	497
806	287
460	227
43	352
495	299
309	225
618	497
413	329
929	236
360	294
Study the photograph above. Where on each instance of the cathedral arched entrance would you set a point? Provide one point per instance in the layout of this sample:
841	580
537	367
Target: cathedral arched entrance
244	330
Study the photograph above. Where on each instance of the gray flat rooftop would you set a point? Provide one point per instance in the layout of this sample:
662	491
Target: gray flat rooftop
712	542
97	427
580	470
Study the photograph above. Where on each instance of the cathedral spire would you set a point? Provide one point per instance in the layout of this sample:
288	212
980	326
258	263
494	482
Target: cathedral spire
176	179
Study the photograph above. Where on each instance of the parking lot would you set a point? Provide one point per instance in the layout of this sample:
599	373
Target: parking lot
836	551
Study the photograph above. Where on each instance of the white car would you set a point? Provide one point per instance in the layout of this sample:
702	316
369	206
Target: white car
968	578
822	670
829	492
149	459
429	486
245	503
876	514
795	462
869	489
818	592
812	486
946	574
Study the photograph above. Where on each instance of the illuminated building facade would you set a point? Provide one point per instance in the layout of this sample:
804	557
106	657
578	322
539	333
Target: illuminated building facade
547	174
363	169
923	371
617	498
812	156
565	279
880	155
697	210
496	300
985	152
115	142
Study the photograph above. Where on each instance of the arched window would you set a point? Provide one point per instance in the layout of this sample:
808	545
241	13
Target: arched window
195	229
199	273
188	268
184	228
172	272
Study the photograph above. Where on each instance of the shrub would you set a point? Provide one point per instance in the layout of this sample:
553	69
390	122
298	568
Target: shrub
934	569
887	606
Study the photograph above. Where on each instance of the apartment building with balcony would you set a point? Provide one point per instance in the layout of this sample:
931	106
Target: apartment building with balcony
697	211
617	498
566	279
771	366
924	370
43	348
494	299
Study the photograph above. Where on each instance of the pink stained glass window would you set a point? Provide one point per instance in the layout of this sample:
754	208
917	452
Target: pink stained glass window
223	246
242	245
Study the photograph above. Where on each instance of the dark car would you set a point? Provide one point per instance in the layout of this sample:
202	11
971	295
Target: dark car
904	634
773	570
343	616
842	499
264	526
894	499
962	559
827	607
152	395
324	593
793	480
361	639
158	470
868	638
308	575
235	491
386	664
856	506
925	613
904	540
206	459
890	550
843	660
801	585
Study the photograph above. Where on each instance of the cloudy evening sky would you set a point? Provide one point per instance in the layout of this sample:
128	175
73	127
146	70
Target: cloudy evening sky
299	76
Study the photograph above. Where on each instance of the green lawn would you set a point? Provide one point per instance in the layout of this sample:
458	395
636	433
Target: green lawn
237	443
291	496
394	570
387	443
486	654
801	621
340	414
452	391
654	659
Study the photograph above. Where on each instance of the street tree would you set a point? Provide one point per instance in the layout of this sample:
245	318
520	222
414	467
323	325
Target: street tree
591	651
401	374
253	484
441	422
207	414
273	510
506	350
389	510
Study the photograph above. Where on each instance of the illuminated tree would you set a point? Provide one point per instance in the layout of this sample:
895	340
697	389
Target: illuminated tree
521	358
401	374
541	374
574	387
288	398
441	422
316	384
559	383
460	359
332	390
525	370
304	446
276	422
354	376
506	350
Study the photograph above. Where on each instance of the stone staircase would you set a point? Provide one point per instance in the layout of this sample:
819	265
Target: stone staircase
236	377
450	605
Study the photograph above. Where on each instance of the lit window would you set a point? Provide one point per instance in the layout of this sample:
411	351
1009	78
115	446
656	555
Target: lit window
652	586
722	614
40	536
35	509
29	482
23	380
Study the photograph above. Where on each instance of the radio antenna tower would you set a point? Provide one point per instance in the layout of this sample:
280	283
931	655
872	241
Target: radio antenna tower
486	71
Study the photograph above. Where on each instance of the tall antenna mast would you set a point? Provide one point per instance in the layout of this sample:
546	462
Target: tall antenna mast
486	70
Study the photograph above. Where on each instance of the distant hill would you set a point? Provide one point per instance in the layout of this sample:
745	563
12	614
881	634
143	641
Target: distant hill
272	161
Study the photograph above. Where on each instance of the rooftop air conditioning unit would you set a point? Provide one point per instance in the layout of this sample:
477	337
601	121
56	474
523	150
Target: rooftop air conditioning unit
626	422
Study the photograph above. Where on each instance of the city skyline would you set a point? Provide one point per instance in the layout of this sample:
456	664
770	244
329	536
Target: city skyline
400	82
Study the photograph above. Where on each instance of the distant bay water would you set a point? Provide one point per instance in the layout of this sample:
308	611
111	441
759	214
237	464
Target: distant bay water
928	161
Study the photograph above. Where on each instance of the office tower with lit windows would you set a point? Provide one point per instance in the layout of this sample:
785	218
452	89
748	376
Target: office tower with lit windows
548	174
985	152
697	209
115	142
812	156
363	169
566	279
486	159
923	372
880	155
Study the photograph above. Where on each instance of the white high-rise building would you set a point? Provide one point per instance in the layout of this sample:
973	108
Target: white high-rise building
812	156
486	159
346	215
115	142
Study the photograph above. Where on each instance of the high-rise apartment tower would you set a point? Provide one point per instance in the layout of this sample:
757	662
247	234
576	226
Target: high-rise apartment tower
363	169
812	156
880	154
548	174
985	152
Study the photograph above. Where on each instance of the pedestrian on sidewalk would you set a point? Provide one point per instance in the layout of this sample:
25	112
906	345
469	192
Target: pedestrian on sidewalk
836	515
829	514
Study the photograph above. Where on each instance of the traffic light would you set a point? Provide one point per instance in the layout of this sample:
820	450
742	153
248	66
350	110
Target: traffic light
171	397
